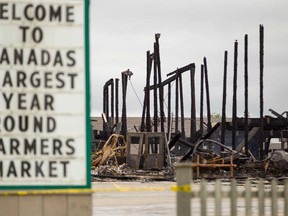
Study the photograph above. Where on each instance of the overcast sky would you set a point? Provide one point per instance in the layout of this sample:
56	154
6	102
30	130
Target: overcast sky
121	31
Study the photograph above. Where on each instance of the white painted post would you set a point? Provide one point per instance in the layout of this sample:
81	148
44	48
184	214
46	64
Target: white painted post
274	197
218	198
233	197
183	178
286	197
248	197
203	197
261	197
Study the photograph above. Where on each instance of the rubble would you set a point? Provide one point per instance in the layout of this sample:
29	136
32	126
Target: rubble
279	161
239	147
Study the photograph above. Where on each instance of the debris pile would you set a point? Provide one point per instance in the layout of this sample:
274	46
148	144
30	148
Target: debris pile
114	147
279	161
239	146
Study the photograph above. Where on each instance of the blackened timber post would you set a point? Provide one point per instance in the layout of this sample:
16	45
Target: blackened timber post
176	104
201	99
169	109
161	103
117	100
142	126
105	105
193	104
234	104
246	112
105	101
261	90
155	91
146	92
182	106
223	125
207	95
124	111
112	103
149	68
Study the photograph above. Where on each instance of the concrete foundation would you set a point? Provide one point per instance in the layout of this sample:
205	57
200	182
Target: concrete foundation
45	204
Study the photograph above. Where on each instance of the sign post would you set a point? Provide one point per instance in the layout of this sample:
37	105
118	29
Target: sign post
44	98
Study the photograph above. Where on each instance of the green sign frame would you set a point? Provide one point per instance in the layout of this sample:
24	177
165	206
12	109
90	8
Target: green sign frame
87	185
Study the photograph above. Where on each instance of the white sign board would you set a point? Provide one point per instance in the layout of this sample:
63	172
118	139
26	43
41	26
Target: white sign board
44	98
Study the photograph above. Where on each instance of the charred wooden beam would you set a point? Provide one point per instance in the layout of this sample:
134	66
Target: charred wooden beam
146	104
155	94
112	103
174	77
193	104
246	112
278	115
261	89
234	104
106	100
176	104
201	99
207	94
161	102
169	109
117	100
206	136
124	111
182	69
269	123
223	125
182	106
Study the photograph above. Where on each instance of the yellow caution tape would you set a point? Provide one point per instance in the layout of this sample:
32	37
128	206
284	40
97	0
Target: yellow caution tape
79	191
184	188
42	192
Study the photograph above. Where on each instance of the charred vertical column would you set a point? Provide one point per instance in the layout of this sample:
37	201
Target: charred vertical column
207	94
142	126
161	104
182	106
112	102
155	91
169	108
146	106
193	104
124	111
105	99
105	105
117	100
201	98
176	103
246	112
149	68
234	105
223	125
261	90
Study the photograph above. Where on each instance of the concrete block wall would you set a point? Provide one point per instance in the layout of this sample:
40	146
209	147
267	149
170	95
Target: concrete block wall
46	205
